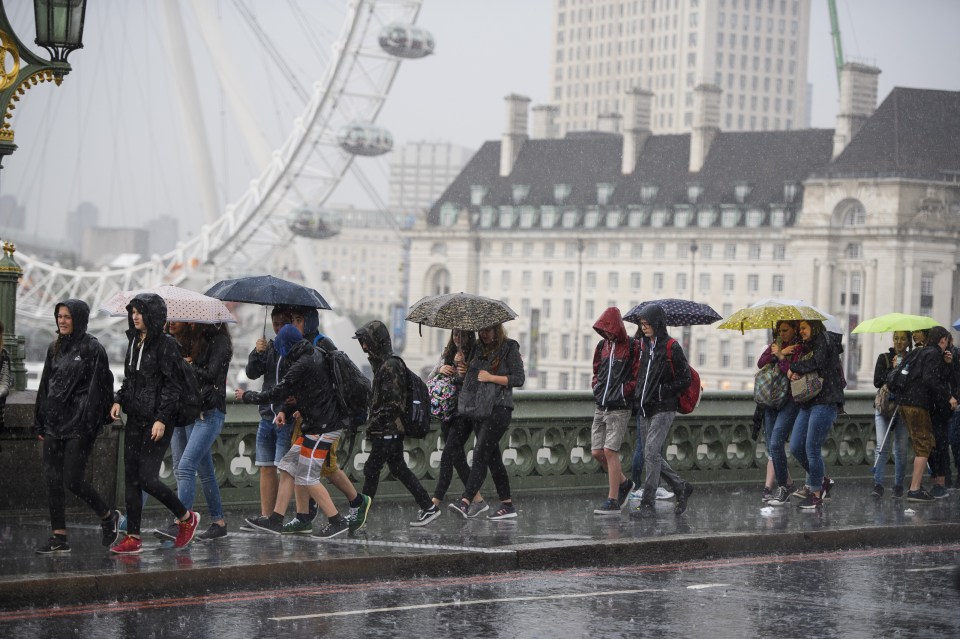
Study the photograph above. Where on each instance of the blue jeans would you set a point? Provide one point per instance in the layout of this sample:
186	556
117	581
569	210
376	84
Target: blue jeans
953	436
777	423
197	456
273	442
636	467
806	443
899	436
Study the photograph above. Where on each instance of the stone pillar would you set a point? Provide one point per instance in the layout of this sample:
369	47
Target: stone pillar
858	101
545	122
10	274
515	133
706	123
636	127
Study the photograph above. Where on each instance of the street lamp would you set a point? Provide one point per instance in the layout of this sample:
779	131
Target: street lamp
59	25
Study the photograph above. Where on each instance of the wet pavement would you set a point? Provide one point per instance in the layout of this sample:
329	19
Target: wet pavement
552	531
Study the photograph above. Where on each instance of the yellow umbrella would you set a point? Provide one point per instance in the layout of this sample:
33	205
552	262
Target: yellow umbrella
766	316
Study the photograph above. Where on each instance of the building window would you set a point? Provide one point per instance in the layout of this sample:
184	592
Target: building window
604	192
591	279
681	281
749	355
725	354
854	250
507	249
526	279
658	281
705	282
741	190
728	282
777	286
730	252
548	279
648	192
855	215
505	279
701	352
477	193
560	193
567	312
520	192
635	280
545	309
544	347
754	252
564	381
779	252
926	294
753	283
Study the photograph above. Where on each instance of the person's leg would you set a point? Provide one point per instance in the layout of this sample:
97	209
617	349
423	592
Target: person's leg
782	426
655	430
598	434
953	436
373	466
616	430
151	457
882	428
399	469
486	449
940	455
769	419
901	438
74	470
822	417
206	431
499	423
53	460
266	462
453	457
798	439
133	435
636	467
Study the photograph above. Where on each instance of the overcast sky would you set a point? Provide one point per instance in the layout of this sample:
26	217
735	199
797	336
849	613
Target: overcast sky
486	49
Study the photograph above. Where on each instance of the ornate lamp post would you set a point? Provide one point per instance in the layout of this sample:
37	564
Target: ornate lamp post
59	26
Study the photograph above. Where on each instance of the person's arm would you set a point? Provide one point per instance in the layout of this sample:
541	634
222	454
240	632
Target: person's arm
38	414
515	374
214	370
257	359
880	370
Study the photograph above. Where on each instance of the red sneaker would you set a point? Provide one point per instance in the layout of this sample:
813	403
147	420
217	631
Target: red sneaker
129	546
187	530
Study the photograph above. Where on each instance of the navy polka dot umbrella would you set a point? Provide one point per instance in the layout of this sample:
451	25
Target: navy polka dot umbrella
679	312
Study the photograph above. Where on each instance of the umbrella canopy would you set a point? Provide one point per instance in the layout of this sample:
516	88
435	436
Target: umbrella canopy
679	312
460	310
831	323
267	290
765	316
183	305
896	322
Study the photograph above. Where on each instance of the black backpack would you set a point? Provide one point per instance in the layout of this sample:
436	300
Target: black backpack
188	384
416	419
351	385
904	373
103	389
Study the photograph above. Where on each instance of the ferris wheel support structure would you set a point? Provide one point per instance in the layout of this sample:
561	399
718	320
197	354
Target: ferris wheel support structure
355	87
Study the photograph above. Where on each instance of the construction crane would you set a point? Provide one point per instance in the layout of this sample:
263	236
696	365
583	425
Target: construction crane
835	36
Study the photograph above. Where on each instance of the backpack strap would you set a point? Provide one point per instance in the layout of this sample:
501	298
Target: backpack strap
670	343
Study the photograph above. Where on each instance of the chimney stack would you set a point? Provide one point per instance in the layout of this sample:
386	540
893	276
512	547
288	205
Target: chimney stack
636	127
858	101
516	132
706	123
545	122
609	122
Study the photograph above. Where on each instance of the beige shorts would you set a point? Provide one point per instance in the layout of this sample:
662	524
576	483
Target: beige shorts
609	428
920	428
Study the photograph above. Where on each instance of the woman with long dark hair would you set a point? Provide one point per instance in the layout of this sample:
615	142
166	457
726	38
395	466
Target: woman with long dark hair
496	360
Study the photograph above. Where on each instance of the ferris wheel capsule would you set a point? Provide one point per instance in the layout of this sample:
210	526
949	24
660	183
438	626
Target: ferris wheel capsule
315	223
406	40
365	139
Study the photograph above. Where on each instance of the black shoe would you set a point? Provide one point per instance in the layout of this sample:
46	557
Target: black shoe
919	495
683	494
215	531
54	546
110	529
827	488
623	493
168	533
332	529
877	491
898	492
644	511
461	507
265	524
425	516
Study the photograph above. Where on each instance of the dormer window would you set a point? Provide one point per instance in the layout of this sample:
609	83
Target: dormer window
659	218
694	191
681	216
548	217
520	192
613	219
569	219
448	214
604	193
730	217
741	191
506	217
706	218
790	192
591	218
528	216
477	193
648	193
754	218
560	193
486	216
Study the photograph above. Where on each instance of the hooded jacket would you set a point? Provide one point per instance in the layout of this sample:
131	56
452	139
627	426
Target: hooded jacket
389	398
616	362
308	382
150	391
69	393
930	387
272	368
826	349
212	365
658	383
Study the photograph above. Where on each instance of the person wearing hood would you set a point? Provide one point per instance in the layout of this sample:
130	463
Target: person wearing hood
385	428
616	362
311	388
664	374
149	396
307	321
67	419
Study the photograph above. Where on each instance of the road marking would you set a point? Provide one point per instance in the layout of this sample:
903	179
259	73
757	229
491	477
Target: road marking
472	602
933	569
705	586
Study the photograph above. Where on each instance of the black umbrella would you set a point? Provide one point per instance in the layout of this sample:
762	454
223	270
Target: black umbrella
679	312
267	290
460	310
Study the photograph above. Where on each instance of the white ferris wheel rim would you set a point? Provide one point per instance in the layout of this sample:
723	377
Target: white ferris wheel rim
355	85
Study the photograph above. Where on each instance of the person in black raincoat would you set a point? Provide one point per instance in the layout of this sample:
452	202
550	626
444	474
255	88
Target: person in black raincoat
385	429
67	419
663	375
149	396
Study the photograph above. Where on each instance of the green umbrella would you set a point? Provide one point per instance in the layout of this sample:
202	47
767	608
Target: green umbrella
896	322
765	316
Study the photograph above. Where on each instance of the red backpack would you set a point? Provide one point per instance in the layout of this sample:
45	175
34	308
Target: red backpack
689	399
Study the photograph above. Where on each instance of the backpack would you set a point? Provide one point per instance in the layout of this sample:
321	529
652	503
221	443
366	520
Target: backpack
105	391
188	384
351	385
416	419
689	398
903	374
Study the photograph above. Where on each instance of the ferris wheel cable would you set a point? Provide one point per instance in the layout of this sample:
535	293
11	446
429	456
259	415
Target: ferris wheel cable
302	21
267	43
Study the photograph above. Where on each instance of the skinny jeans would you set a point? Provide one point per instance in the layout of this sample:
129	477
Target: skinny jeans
806	443
141	469
196	445
487	455
65	463
777	424
454	457
390	452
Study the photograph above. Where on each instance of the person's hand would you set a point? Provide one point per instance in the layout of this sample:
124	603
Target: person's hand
953	403
948	356
156	433
447	369
188	359
239	394
261	345
775	350
115	411
461	368
485	376
793	376
280	420
788	350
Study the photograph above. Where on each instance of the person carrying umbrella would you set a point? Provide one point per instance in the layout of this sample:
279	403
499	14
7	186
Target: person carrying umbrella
663	375
890	426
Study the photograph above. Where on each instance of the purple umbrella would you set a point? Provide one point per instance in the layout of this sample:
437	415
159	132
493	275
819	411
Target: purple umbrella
679	312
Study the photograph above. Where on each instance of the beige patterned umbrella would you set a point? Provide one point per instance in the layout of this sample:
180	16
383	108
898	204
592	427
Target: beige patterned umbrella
183	305
460	310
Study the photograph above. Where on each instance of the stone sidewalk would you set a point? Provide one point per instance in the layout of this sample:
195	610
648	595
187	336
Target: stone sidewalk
553	530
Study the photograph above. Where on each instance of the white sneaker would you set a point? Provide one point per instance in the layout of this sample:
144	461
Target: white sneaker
663	493
637	494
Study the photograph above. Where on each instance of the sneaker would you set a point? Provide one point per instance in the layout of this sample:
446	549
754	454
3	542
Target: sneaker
462	508
477	507
810	502
637	494
215	531
877	491
826	488
129	546
802	493
188	529
898	492
332	529
265	524
780	497
767	494
358	516
919	495
939	492
110	529
54	546
644	511
506	511
168	533
296	526
663	493
608	507
624	491
682	496
424	517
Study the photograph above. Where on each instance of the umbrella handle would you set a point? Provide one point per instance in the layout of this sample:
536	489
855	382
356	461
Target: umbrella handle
264	322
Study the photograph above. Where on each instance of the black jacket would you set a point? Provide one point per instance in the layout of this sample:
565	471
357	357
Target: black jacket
883	366
388	399
504	361
825	360
272	368
149	391
69	395
928	386
658	383
212	365
309	383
